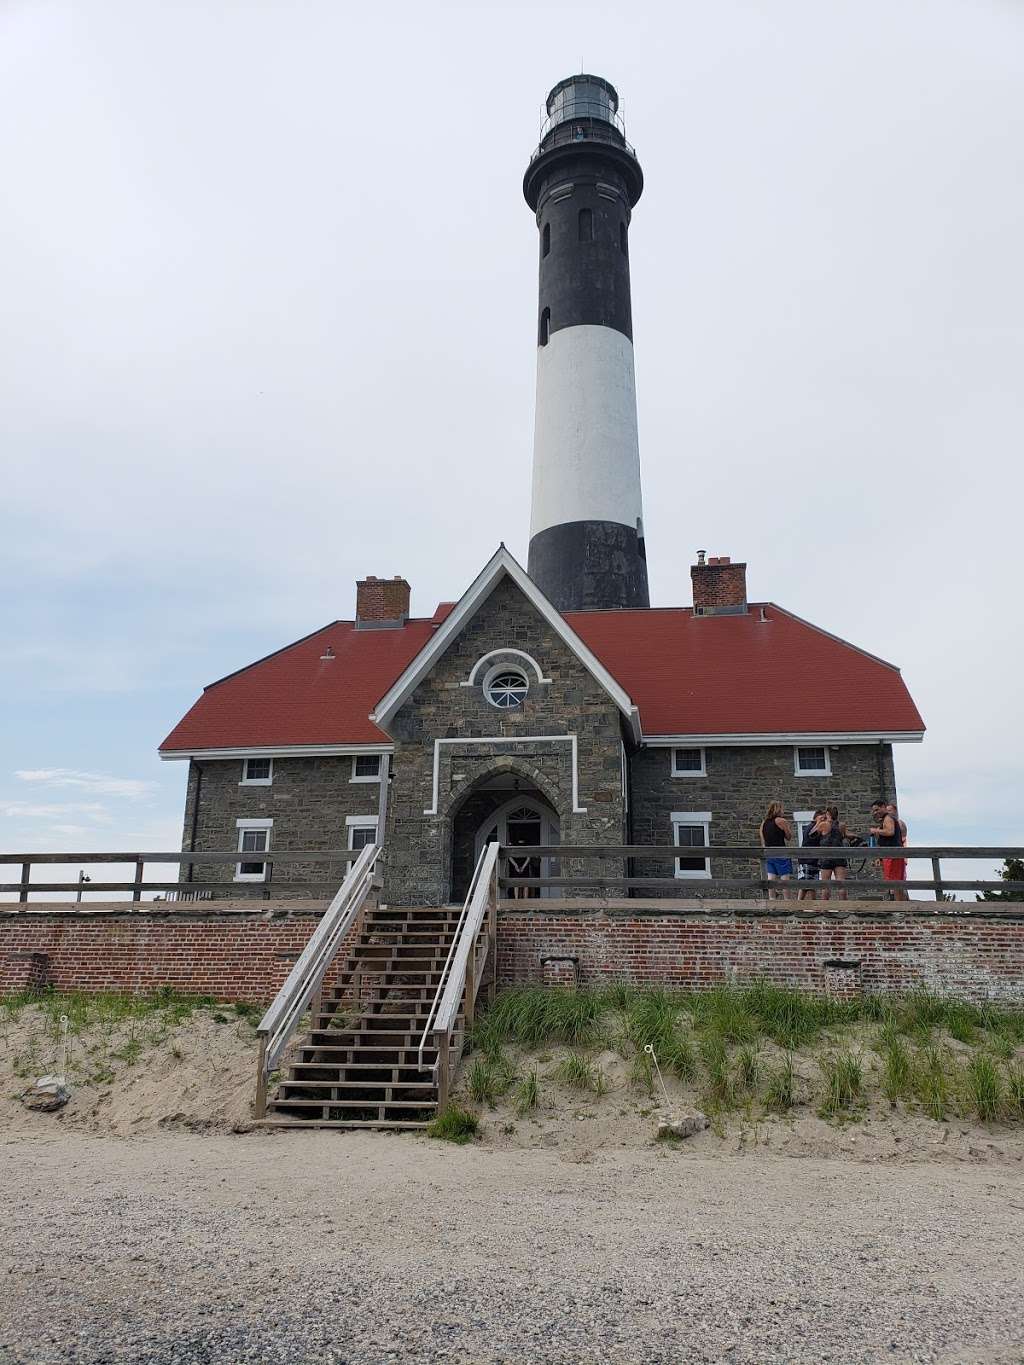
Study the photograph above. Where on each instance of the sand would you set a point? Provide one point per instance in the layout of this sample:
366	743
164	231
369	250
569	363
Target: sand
199	1075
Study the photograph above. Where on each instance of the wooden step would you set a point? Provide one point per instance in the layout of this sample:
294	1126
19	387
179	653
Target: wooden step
341	1088
375	1047
353	1104
354	1125
394	1126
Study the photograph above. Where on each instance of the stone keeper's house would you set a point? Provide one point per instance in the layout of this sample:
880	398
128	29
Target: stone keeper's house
500	716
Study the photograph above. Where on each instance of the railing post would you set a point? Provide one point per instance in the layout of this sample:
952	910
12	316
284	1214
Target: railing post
492	932
937	877
442	1070
470	986
137	885
316	1005
260	1105
26	870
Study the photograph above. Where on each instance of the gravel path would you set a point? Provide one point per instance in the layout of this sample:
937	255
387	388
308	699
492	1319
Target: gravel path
319	1247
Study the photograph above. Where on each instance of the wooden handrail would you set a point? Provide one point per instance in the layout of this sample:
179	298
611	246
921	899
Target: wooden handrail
306	976
463	969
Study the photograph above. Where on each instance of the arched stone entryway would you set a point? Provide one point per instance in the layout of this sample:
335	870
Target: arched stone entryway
504	805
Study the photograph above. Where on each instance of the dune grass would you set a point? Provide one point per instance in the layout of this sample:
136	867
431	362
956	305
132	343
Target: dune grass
903	1048
104	1028
454	1124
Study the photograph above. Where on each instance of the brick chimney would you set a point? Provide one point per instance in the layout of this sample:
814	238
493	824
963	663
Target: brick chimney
719	586
381	602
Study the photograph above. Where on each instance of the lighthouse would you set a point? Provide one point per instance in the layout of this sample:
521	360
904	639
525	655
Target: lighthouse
586	530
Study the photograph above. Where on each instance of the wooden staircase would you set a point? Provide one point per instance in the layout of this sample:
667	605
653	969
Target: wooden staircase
358	1066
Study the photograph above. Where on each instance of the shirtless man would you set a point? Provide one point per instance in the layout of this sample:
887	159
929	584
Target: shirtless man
891	833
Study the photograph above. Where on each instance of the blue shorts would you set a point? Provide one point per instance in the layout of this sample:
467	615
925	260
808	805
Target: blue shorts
779	867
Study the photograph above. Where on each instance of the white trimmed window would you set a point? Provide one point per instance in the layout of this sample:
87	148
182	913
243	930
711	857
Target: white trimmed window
257	772
506	686
811	761
253	837
365	768
692	829
689	763
362	830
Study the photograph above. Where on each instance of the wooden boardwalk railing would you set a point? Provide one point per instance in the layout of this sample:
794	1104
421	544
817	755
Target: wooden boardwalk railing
138	862
700	886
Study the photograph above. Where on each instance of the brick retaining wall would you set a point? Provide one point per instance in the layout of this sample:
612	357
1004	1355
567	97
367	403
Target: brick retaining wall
974	957
246	953
241	954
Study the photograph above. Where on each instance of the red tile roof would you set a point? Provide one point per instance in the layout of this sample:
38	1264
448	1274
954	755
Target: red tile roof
728	675
295	697
734	675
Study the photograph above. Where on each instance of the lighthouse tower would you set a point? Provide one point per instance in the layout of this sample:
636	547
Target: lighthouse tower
586	532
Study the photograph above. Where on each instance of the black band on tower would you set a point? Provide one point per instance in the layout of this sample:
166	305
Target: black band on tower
607	562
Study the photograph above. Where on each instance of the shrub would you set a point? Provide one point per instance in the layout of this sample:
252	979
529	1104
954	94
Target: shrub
983	1087
844	1082
532	1015
931	1083
454	1124
1015	1091
778	1095
680	1058
527	1093
482	1083
896	1076
960	1022
716	1063
748	1068
643	1071
581	1073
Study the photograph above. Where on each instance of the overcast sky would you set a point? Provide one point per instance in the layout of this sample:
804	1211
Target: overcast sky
269	289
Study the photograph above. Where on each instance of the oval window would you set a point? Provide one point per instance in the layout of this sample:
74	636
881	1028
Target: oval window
506	687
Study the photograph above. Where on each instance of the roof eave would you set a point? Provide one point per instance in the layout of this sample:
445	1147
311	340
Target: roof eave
787	737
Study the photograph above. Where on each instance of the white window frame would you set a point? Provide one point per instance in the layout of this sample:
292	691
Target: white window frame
241	826
354	822
356	757
495	671
702	771
811	772
691	817
248	781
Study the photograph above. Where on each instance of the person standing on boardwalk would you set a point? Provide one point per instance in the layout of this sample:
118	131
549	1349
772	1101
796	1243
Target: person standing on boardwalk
775	833
833	836
808	873
891	833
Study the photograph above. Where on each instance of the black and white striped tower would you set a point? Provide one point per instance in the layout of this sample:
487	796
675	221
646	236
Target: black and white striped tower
586	532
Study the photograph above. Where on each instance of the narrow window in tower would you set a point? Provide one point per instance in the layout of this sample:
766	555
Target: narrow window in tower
622	239
546	239
586	225
545	327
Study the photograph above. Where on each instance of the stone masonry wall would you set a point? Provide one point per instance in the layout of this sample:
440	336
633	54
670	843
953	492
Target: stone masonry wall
308	801
739	785
418	855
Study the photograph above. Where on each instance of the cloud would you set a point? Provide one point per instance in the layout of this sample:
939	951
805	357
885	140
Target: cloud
102	784
30	810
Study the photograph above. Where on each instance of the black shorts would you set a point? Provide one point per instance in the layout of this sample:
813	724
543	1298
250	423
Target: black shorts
831	864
